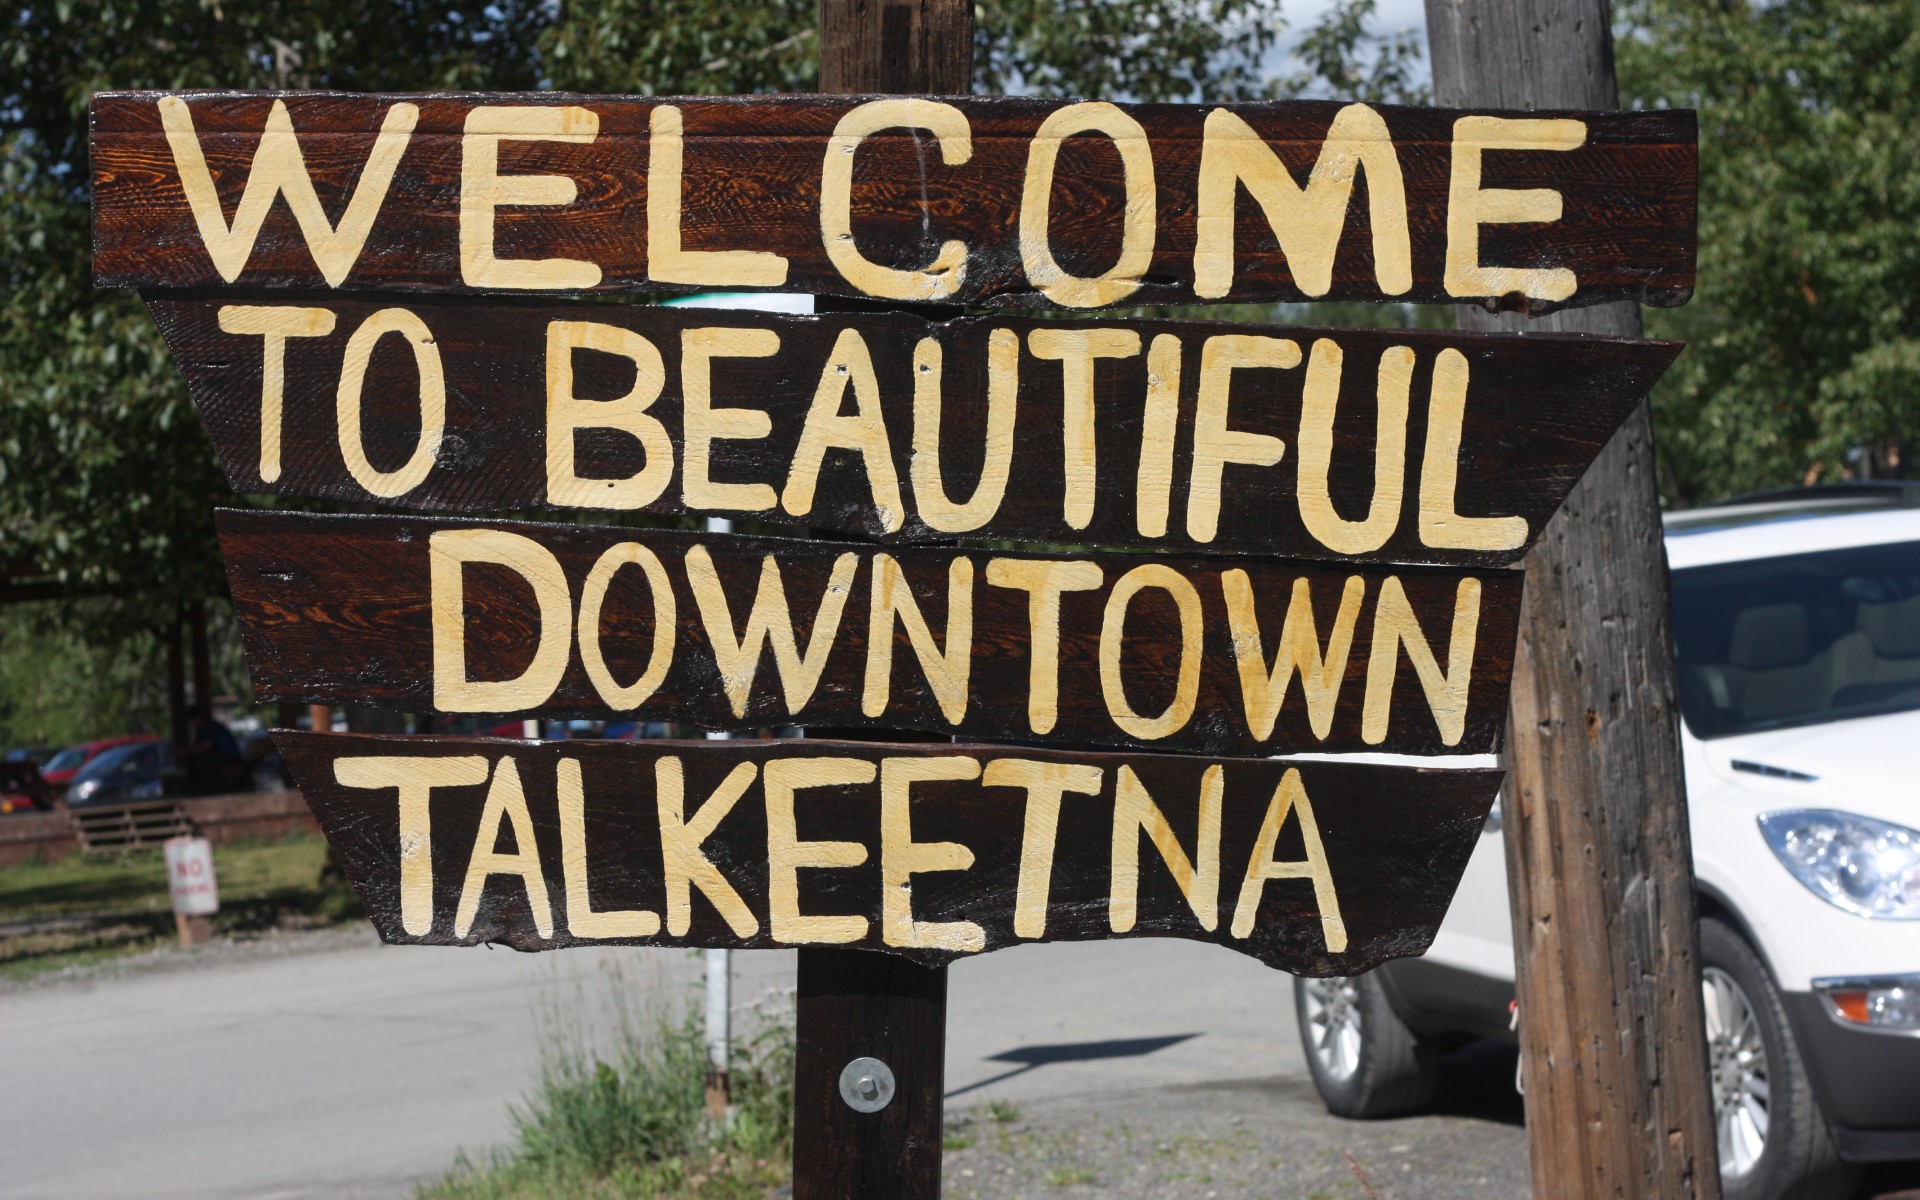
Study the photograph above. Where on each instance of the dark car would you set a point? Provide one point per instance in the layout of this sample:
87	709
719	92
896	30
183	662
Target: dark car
126	775
62	768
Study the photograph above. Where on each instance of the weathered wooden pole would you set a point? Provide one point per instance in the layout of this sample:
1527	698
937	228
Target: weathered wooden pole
871	1029
1599	861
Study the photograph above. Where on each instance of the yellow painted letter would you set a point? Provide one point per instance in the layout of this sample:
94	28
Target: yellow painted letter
1441	525
1003	394
947	672
1394	626
701	424
943	276
507	801
483	189
274	324
1469	206
1076	349
666	261
567	413
1044	580
1214	444
279	168
786	853
448	552
863	432
1308	220
1137	228
1159	420
901	857
593	594
1135	812
770	620
433	402
582	920
683	864
1045	784
1290	796
1318	404
1113	628
1263	691
414	777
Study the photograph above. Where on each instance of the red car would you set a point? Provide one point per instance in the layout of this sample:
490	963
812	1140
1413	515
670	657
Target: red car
62	767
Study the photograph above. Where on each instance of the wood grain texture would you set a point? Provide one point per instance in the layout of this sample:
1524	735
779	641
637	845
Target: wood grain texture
852	1004
1394	840
752	181
338	610
1600	867
1537	410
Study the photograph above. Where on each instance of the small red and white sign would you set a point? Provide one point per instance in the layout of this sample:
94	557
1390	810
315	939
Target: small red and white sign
190	875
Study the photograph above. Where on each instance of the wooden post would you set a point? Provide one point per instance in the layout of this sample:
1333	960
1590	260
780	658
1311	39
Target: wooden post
1599	861
857	1004
176	684
202	656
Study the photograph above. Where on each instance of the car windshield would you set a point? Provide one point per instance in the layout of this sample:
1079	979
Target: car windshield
67	759
109	761
1799	639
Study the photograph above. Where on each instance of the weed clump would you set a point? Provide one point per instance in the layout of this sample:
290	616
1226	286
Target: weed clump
629	1121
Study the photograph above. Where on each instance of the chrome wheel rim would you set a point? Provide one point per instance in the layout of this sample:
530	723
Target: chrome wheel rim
1333	1025
1737	1056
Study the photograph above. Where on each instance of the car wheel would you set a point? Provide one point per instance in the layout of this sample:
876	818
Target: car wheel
1364	1060
1773	1140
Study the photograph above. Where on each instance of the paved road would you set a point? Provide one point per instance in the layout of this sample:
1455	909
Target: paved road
348	1069
353	1071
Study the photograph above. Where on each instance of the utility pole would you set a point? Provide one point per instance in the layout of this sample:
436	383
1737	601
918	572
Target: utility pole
1599	862
871	1028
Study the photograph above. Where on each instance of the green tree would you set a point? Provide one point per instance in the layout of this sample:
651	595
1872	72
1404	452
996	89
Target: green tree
105	476
1803	360
57	688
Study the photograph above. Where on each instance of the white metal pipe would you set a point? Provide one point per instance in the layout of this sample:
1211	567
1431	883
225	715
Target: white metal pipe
719	962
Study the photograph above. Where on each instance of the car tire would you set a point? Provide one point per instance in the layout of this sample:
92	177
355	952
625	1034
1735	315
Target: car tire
1773	1140
1364	1060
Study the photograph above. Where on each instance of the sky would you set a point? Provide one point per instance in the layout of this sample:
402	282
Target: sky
1389	16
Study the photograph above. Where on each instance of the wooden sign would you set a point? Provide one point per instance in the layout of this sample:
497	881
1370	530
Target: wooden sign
929	851
1375	445
900	199
733	632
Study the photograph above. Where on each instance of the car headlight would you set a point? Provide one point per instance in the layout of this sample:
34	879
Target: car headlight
85	788
1891	1003
1866	867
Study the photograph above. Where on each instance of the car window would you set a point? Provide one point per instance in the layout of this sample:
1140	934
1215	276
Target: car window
1799	639
107	762
67	759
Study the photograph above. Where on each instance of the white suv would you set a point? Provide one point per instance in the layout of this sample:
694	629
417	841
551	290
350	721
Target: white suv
1797	632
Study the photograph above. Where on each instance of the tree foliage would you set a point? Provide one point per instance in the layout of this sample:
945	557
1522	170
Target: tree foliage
1803	360
105	475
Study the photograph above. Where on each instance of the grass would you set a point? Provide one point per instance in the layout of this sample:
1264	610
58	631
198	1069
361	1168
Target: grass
628	1121
91	908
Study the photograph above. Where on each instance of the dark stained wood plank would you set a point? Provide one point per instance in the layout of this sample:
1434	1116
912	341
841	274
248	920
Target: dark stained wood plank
1392	844
347	610
1536	410
752	174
